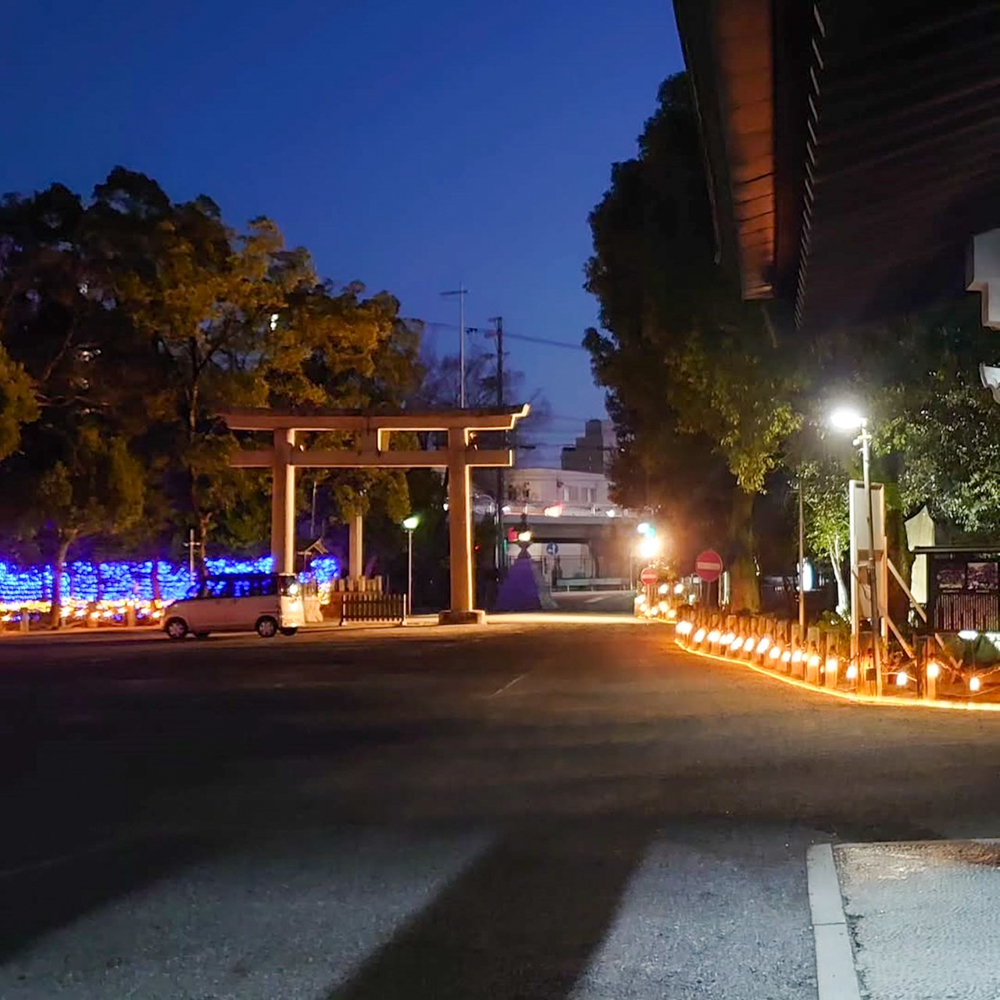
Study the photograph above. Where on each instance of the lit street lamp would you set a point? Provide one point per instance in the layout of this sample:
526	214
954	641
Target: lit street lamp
650	547
409	526
850	420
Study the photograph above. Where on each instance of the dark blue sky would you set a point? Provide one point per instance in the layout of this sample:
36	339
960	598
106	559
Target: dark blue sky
409	145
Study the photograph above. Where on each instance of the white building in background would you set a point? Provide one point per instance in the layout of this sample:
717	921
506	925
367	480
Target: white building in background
533	491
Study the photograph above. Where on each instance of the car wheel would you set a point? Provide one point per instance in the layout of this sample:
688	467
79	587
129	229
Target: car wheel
267	628
201	635
289	630
176	628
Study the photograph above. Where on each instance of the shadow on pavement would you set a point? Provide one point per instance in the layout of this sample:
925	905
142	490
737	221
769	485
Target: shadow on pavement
522	922
41	898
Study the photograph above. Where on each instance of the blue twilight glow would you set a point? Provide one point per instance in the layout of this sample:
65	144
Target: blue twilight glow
121	581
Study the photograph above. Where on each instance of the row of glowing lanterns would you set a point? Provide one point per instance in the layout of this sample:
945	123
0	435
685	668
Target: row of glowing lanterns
731	643
108	611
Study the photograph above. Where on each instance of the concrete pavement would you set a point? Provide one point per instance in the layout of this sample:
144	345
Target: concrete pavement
527	810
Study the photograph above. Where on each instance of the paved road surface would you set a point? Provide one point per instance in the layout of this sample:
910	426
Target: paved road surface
525	811
601	601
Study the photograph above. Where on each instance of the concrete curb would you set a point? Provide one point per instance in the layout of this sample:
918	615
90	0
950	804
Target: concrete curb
836	977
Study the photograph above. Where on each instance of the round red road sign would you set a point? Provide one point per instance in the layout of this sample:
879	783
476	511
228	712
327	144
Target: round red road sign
649	575
709	565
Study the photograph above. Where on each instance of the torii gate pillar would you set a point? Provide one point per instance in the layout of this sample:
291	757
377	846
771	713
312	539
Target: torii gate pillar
283	502
460	533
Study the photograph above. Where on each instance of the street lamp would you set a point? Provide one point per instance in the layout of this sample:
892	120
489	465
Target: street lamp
847	419
650	547
409	526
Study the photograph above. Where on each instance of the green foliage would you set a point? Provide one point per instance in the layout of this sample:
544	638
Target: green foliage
128	323
684	355
95	487
18	405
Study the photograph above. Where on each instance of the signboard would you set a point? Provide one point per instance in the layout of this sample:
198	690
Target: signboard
552	549
709	565
649	576
963	589
858	506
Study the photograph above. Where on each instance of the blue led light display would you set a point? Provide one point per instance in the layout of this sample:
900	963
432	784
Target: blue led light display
121	581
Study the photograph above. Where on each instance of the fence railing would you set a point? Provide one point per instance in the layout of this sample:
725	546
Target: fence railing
361	606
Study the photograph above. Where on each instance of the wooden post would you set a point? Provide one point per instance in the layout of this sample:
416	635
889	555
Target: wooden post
283	503
460	533
356	543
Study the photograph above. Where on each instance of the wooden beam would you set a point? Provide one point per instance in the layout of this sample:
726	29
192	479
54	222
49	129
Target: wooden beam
475	420
474	458
398	459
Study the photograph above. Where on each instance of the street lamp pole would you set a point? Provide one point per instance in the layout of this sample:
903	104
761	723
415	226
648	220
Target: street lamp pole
864	440
409	526
409	575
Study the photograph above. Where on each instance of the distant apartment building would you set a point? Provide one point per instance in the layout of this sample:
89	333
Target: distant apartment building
592	451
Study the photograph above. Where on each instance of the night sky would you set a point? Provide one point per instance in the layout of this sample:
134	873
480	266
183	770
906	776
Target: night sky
408	145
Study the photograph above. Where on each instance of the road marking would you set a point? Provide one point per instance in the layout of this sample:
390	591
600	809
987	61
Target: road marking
509	684
62	859
836	977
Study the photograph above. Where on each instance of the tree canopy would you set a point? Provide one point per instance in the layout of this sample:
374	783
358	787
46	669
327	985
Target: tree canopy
717	400
127	322
683	355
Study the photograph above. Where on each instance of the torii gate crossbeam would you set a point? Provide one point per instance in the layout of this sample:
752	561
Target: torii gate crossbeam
372	451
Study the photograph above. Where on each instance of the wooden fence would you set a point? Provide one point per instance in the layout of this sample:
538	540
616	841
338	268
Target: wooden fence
361	606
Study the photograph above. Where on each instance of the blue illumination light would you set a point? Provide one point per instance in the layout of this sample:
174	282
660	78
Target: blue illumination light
122	581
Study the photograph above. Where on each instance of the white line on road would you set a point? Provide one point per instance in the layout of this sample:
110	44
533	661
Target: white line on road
836	978
509	684
62	859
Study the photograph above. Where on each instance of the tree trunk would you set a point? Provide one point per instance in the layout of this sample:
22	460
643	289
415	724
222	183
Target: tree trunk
55	609
744	583
843	594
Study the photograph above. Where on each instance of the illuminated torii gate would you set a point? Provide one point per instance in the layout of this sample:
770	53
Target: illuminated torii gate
372	451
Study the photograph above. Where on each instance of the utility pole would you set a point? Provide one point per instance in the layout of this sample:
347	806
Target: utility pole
461	292
497	321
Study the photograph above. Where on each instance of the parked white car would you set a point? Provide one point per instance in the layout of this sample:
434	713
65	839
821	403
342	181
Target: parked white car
267	603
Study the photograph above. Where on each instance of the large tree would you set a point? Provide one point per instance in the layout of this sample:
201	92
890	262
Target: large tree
127	323
74	369
683	354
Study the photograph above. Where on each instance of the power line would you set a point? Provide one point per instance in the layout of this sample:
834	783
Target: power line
546	341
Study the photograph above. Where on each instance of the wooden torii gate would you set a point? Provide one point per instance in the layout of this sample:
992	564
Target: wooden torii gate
372	450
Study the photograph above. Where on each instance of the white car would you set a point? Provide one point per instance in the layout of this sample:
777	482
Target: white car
267	603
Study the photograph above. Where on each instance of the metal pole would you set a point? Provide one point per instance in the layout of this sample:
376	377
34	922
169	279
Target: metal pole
802	564
191	553
409	576
498	320
872	572
460	292
312	515
461	346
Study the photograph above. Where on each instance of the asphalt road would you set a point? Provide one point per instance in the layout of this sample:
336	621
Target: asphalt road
523	811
